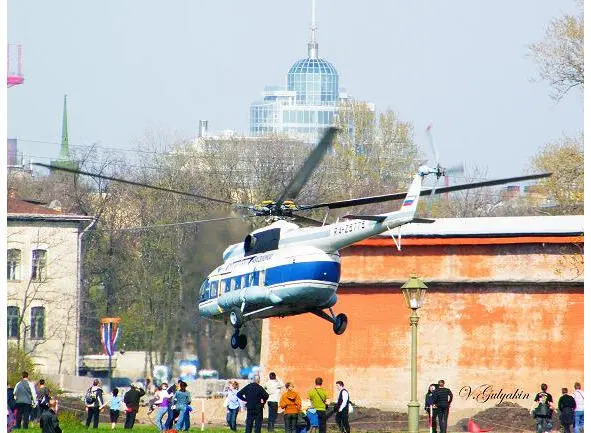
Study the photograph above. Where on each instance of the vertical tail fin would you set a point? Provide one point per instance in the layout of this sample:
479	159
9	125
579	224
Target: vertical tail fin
409	205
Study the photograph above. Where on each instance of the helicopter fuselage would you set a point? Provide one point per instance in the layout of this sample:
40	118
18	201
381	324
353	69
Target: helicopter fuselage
286	281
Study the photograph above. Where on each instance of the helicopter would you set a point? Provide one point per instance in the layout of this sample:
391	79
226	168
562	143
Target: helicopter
284	269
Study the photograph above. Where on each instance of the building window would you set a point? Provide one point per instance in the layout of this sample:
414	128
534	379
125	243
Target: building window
37	322
12	324
14	264
39	268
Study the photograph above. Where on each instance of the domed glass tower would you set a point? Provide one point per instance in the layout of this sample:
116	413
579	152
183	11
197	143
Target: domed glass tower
309	103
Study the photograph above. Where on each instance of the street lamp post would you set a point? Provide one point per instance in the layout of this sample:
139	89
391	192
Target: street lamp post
414	292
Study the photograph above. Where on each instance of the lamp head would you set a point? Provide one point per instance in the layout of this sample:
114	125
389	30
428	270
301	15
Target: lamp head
414	292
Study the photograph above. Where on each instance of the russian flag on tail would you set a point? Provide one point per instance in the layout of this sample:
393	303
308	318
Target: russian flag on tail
408	201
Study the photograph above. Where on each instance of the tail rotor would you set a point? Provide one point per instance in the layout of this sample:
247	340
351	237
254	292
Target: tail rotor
438	170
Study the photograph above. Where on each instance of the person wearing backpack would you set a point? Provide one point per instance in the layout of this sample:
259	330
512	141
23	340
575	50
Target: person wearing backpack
94	402
543	410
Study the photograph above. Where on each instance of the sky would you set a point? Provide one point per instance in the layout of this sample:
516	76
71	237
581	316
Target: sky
138	67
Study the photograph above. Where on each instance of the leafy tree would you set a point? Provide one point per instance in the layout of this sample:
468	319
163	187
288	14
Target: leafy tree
565	159
18	361
560	55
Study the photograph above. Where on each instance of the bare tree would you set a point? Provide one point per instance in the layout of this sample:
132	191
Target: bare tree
560	55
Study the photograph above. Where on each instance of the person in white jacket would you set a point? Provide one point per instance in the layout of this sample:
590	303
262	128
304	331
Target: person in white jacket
274	387
580	409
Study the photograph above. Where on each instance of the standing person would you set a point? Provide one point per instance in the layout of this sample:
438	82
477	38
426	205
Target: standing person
429	403
579	410
342	408
291	403
115	407
163	402
566	406
94	401
151	389
183	400
255	397
173	412
48	420
442	398
43	396
273	388
543	410
232	403
132	401
25	398
319	399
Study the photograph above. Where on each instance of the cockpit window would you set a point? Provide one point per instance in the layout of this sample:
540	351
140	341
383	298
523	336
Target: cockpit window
204	291
213	289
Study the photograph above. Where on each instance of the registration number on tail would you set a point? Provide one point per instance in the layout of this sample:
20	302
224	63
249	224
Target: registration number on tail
349	227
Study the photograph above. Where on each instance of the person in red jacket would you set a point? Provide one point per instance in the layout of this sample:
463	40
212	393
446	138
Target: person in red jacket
291	403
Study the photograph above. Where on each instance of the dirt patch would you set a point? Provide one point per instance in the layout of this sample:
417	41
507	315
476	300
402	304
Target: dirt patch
376	420
506	417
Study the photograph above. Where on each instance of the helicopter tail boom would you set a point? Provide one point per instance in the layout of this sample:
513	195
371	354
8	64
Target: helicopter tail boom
410	202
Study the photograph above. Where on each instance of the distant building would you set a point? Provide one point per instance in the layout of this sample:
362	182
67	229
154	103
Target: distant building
307	105
42	292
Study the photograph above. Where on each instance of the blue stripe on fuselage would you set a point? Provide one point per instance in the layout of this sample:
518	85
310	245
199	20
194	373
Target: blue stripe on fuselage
320	271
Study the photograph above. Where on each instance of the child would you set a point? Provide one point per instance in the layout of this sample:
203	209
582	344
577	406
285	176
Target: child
312	415
114	407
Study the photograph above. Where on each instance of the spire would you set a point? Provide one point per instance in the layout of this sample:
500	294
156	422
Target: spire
313	45
64	151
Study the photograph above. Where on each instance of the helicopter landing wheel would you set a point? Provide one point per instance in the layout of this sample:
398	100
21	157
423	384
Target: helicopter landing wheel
235	340
340	324
242	341
235	319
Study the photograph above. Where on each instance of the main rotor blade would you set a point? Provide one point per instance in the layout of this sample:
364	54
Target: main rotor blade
308	221
401	195
157	226
304	173
130	182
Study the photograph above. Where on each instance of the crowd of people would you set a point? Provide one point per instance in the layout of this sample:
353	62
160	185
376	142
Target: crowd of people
27	403
171	405
299	415
571	408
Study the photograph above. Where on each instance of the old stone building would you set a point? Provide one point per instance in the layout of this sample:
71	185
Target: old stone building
43	256
503	313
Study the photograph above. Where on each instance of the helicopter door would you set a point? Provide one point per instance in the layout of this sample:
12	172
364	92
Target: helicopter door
262	278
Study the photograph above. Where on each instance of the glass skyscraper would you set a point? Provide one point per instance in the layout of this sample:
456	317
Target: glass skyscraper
308	104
